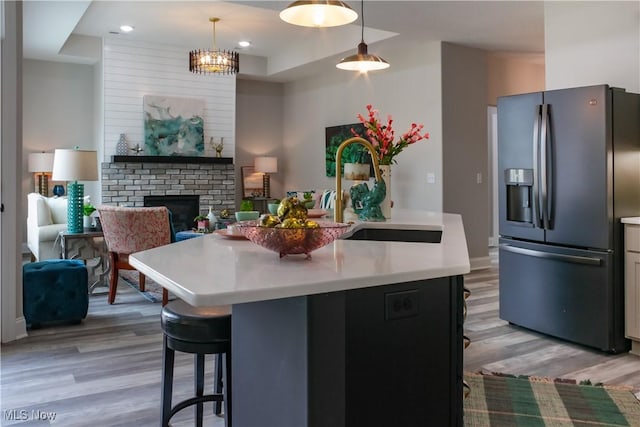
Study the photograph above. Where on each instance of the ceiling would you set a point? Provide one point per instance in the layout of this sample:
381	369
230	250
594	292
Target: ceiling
70	31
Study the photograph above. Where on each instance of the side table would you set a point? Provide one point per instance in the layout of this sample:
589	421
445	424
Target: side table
90	247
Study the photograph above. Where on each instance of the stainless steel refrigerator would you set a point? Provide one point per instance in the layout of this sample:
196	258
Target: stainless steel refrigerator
569	168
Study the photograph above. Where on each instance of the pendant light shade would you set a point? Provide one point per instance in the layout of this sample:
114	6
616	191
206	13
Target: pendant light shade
214	61
318	13
362	61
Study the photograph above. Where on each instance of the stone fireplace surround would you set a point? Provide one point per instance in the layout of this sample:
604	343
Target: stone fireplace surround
128	179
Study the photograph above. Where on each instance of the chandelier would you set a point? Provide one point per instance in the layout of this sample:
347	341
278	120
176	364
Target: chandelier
214	61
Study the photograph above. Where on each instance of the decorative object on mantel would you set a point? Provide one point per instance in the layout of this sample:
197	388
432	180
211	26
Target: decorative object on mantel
75	165
173	126
266	165
41	164
122	148
362	61
381	137
217	147
137	149
214	61
318	13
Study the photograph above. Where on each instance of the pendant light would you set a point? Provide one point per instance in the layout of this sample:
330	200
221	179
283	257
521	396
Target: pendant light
318	13
363	61
214	61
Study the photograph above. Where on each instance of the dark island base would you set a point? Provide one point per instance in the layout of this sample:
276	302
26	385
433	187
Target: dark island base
382	356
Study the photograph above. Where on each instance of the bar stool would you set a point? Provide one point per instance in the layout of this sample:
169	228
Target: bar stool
197	330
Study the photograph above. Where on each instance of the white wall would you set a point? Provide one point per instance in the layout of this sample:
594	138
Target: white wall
134	69
511	75
58	113
409	90
259	117
12	321
590	43
465	157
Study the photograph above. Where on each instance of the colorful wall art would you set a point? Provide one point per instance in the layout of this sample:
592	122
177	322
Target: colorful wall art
173	126
354	153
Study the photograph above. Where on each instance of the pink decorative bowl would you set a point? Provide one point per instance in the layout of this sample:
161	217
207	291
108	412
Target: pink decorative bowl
289	241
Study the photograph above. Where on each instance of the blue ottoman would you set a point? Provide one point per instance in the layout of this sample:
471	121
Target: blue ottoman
54	290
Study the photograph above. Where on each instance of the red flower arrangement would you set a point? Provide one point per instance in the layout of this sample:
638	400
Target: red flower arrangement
381	136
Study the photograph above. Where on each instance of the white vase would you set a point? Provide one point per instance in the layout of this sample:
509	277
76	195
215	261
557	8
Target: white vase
385	171
356	171
86	221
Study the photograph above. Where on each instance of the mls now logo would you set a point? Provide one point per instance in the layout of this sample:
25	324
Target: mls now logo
16	415
24	415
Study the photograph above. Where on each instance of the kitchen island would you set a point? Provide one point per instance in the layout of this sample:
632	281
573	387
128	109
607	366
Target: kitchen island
364	333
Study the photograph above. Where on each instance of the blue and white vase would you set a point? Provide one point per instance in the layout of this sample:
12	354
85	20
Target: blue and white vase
122	148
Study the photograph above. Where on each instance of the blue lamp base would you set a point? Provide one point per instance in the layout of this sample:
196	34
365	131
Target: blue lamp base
75	200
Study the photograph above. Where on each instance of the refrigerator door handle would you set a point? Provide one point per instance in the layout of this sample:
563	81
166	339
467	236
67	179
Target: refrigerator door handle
536	176
552	256
545	171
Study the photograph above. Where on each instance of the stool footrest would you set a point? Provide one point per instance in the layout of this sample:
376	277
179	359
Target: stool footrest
192	401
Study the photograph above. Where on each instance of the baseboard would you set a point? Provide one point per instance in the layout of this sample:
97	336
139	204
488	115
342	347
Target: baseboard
20	330
480	263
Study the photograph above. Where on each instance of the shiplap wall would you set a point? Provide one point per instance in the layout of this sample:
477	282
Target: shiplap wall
134	69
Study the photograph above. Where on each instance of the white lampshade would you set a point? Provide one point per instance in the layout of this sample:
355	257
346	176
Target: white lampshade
40	162
266	164
318	13
75	165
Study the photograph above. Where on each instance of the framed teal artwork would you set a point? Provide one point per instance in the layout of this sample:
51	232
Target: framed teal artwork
173	126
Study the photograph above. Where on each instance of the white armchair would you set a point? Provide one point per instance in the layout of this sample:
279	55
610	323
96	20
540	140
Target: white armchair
46	217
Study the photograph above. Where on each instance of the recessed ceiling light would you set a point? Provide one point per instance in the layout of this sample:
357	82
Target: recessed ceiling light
126	28
244	43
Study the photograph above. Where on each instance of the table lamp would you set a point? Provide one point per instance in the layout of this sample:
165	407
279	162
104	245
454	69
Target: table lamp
266	165
41	164
75	165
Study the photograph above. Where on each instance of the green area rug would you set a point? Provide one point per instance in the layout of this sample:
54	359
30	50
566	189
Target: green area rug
501	400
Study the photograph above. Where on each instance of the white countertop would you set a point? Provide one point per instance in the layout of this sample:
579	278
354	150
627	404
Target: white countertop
631	220
214	270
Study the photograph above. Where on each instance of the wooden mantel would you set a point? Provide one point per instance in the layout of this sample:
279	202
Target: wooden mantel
171	159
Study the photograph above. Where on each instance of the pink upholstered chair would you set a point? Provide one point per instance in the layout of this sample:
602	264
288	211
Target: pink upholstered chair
128	230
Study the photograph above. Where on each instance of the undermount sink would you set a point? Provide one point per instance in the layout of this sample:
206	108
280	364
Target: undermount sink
396	235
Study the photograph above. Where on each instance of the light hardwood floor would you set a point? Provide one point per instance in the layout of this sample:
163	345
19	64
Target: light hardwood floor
497	346
106	371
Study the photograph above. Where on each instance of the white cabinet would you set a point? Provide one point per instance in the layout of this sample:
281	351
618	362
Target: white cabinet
632	285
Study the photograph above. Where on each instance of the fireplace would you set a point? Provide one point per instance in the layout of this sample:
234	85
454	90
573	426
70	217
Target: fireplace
128	181
183	209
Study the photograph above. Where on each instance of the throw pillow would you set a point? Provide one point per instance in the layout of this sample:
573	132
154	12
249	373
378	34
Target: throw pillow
58	207
43	214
